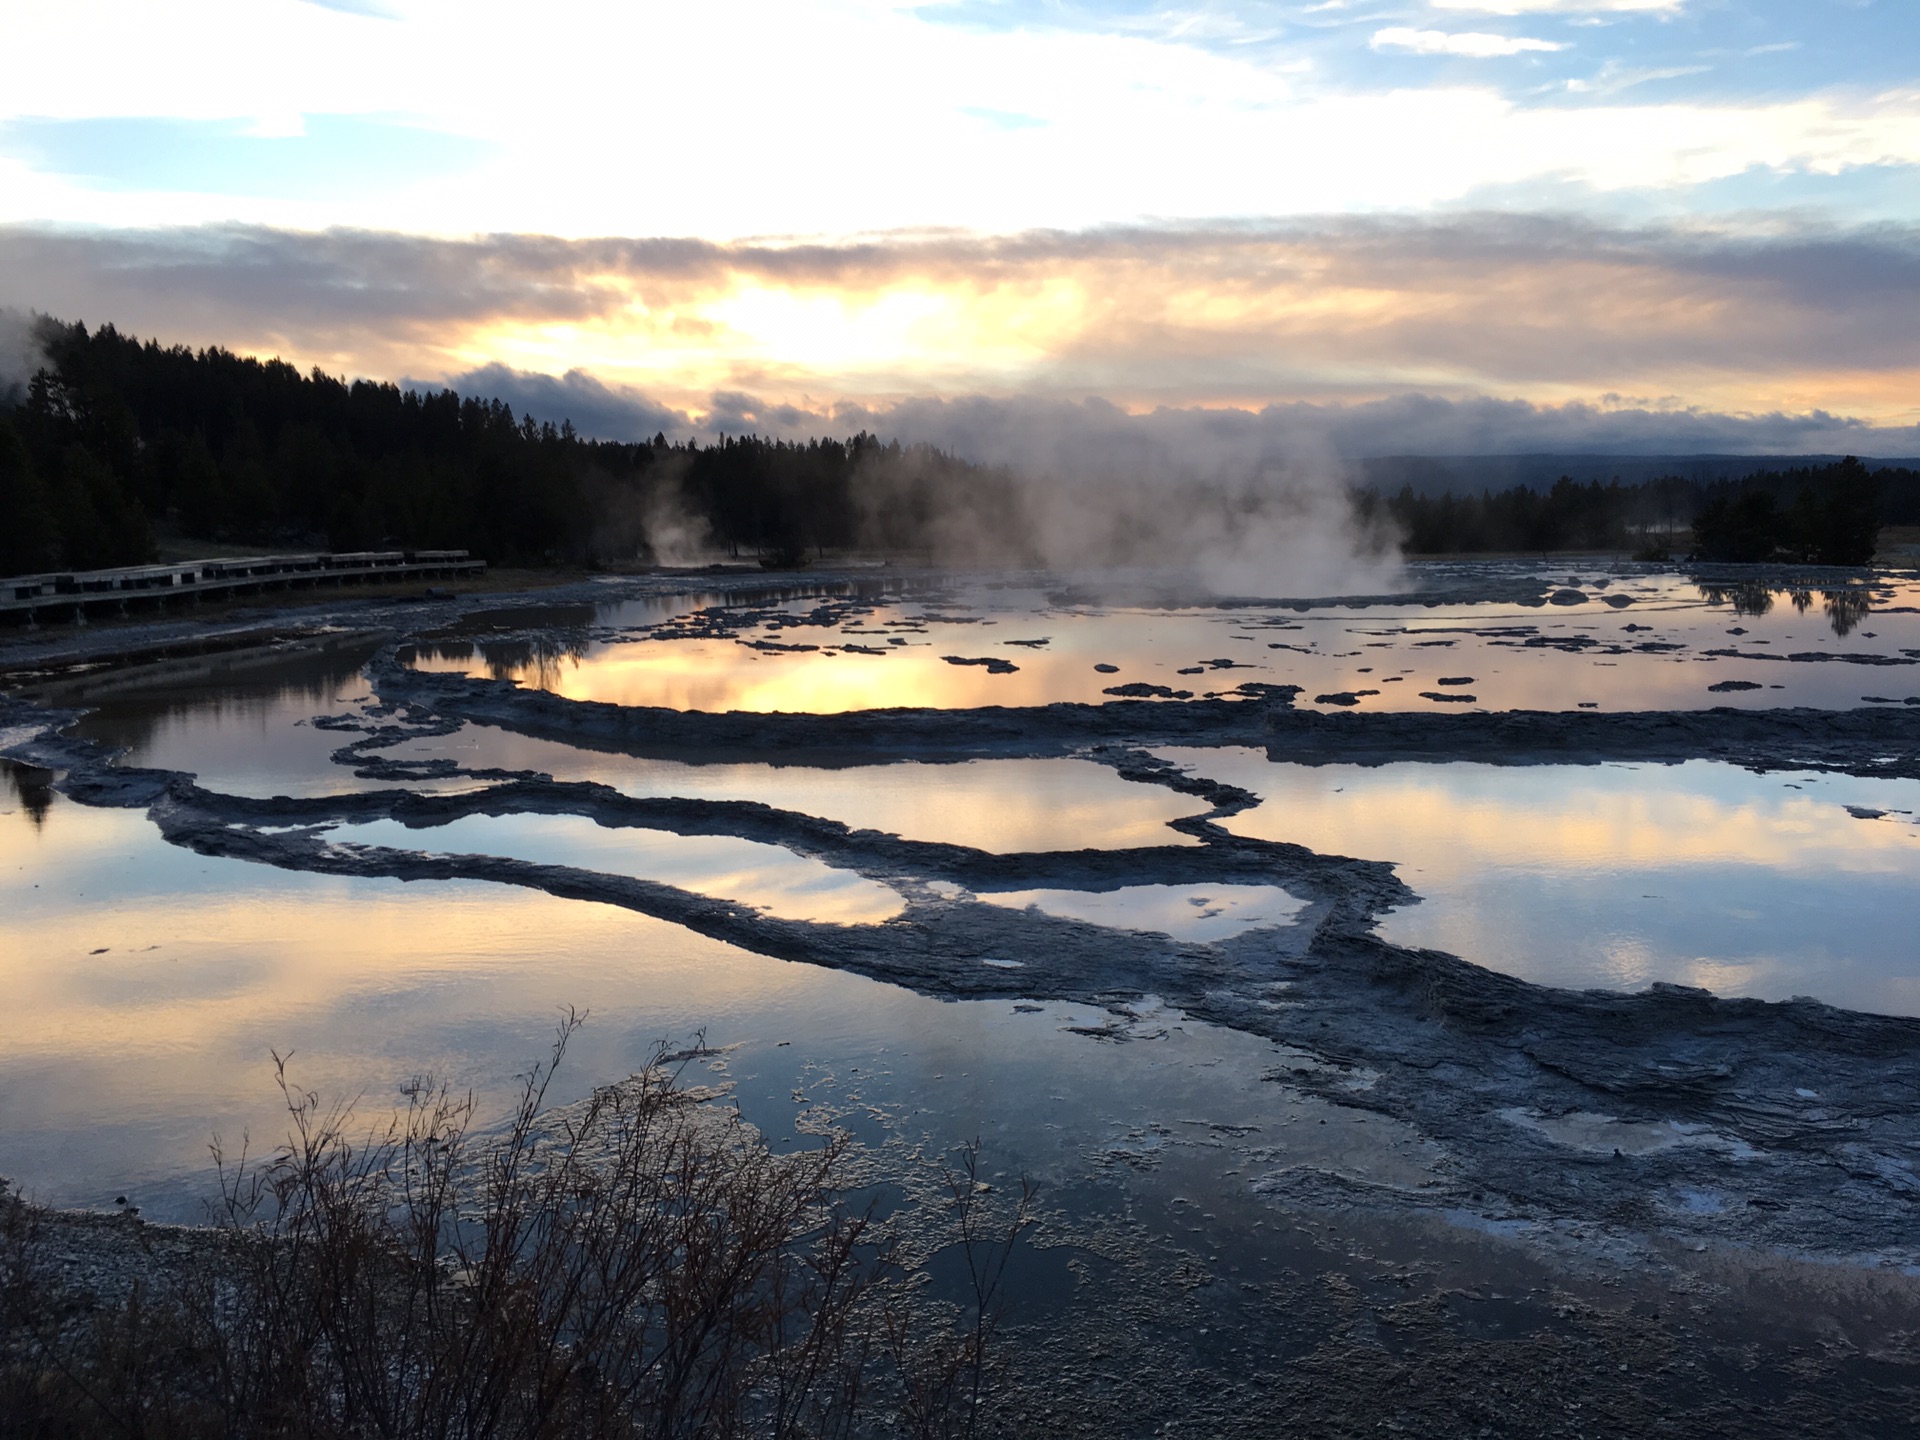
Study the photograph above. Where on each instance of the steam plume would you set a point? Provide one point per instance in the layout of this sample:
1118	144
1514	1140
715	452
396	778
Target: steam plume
20	354
1201	498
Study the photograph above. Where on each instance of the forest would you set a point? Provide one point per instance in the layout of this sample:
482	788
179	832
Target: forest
117	443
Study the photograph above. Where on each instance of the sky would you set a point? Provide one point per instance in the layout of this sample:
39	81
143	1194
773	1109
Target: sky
1452	225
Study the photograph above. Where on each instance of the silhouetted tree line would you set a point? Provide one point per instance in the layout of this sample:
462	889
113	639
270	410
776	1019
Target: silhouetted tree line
1829	514
1834	517
1568	516
117	439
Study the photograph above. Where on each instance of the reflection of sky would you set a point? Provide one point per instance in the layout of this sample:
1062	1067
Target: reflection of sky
241	729
766	877
146	986
142	1023
261	747
1198	913
1003	806
1619	875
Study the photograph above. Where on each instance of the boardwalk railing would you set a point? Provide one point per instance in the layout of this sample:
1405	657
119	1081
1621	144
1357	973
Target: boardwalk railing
75	594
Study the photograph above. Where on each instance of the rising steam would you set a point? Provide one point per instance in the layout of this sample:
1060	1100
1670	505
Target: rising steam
20	354
1214	500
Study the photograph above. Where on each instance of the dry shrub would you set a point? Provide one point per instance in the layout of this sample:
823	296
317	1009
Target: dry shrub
942	1373
639	1264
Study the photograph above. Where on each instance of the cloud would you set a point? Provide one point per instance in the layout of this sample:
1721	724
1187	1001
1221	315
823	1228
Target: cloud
1860	288
508	136
1563	7
1613	77
996	430
1769	317
1474	44
606	412
1096	436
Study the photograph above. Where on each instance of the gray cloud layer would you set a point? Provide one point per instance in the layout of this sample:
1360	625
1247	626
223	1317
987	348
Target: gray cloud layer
599	410
1000	430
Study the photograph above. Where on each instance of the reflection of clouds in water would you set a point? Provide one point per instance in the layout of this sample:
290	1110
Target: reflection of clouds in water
1199	913
125	1063
1746	975
766	877
1620	875
240	728
1002	806
1452	821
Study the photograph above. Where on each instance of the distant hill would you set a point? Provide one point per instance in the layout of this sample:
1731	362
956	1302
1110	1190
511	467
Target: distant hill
1429	475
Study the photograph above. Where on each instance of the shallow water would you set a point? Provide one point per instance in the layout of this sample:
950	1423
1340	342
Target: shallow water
765	877
1200	913
1628	642
1615	876
1003	806
144	1019
242	729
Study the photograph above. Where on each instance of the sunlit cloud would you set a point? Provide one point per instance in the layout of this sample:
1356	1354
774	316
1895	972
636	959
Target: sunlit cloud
1057	202
1667	323
1473	44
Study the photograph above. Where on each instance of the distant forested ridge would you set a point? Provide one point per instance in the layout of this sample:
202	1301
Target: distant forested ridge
1829	514
117	440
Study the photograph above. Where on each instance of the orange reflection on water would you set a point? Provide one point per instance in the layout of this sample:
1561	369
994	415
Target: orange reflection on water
1383	658
721	675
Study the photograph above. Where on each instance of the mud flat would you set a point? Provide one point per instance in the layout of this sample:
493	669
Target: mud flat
1650	1176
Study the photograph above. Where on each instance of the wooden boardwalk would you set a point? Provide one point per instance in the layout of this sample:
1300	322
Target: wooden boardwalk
73	595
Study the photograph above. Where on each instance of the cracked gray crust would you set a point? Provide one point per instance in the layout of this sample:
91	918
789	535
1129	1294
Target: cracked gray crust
1792	1125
